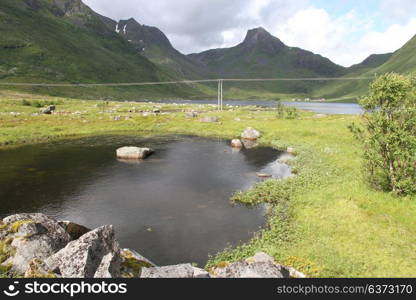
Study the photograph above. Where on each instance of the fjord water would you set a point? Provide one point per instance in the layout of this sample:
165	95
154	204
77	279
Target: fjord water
329	108
172	208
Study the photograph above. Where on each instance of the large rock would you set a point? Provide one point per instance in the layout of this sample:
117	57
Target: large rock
73	229
177	271
109	266
260	265
250	144
250	134
96	253
133	263
133	152
32	236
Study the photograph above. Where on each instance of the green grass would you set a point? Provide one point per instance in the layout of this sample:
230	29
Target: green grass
325	221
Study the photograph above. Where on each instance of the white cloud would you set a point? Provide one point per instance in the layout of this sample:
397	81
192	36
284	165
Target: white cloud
399	11
341	39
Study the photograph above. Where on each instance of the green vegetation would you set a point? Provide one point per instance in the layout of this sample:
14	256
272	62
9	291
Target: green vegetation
326	220
64	41
284	112
403	61
16	225
6	250
40	43
389	134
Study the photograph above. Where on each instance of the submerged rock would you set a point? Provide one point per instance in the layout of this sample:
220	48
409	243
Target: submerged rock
236	144
264	175
250	134
133	152
249	144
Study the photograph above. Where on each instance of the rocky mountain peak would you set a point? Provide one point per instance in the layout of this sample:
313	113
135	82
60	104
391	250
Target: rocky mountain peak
260	37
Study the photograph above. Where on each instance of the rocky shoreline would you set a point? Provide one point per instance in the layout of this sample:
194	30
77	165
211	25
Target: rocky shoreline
39	246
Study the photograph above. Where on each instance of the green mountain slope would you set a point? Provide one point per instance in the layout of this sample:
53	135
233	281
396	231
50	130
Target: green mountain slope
154	45
262	55
65	41
371	62
402	61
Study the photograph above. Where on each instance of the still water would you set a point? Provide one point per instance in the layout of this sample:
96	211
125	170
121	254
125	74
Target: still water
172	208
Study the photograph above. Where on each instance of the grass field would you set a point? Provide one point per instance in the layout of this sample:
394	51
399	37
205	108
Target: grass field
324	221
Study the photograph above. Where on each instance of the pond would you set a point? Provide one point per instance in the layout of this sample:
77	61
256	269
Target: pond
172	208
318	107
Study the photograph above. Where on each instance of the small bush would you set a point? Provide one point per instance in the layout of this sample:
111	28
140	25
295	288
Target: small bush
389	134
284	112
40	103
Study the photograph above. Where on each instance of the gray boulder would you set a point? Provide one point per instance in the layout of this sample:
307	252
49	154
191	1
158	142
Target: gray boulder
209	119
133	263
109	266
96	253
32	236
133	152
176	271
191	114
73	229
260	265
48	110
250	134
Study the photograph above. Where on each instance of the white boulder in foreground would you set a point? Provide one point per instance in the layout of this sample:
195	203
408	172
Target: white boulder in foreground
133	152
250	134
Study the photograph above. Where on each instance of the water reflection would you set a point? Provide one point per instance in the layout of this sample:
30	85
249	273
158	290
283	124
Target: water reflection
173	207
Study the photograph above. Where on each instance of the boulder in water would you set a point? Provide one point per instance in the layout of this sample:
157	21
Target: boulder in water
133	152
236	143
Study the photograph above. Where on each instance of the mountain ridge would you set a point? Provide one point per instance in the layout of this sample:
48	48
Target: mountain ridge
67	41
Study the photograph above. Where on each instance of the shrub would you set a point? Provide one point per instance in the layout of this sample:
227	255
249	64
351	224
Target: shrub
40	103
284	112
389	134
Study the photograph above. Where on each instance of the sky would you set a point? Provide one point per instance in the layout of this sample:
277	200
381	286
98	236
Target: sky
345	31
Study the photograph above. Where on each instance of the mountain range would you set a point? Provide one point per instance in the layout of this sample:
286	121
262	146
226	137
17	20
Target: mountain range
66	41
